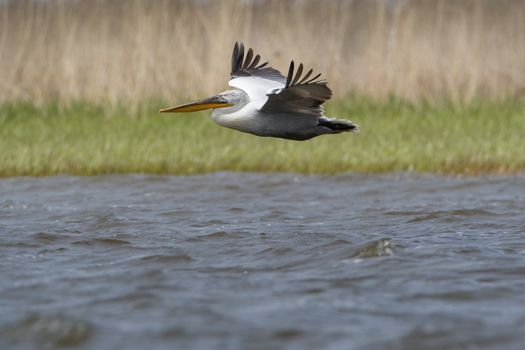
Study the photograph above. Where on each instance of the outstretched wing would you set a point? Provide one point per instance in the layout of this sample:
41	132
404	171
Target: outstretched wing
300	95
253	77
249	66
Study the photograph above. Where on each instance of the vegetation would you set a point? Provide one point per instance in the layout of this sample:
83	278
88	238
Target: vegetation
456	68
396	135
138	49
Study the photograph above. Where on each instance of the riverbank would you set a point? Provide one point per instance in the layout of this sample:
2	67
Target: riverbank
481	137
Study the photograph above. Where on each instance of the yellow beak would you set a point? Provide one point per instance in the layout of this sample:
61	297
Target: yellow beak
212	102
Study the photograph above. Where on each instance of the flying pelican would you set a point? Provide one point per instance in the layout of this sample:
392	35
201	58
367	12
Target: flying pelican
266	103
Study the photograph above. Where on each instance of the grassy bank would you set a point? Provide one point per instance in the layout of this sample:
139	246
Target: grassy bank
396	135
106	50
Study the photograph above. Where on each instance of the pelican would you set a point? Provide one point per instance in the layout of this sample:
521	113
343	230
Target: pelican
266	103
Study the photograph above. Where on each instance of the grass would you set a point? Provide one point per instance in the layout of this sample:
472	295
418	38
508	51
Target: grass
85	138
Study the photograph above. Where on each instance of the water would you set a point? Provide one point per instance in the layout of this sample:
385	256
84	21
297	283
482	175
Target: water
262	261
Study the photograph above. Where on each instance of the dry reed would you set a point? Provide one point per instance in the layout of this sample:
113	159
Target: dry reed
124	50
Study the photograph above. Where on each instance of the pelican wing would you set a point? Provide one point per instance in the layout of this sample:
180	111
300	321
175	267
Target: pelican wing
300	94
249	66
257	80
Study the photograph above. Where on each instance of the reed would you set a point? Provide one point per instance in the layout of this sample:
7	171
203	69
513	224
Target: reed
135	50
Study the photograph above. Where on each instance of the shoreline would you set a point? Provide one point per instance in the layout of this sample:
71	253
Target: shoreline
85	138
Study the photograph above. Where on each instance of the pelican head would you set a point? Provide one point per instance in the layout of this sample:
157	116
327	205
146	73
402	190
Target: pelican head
230	99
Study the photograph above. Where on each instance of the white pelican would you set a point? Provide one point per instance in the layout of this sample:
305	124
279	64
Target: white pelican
265	103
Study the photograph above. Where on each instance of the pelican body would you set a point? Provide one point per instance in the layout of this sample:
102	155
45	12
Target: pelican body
265	103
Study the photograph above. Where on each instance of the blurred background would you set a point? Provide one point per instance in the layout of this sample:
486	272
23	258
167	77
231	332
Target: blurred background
130	50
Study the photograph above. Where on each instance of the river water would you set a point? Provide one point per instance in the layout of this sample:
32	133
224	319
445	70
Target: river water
262	261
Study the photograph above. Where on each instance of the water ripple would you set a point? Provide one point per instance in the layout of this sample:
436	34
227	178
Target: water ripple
270	261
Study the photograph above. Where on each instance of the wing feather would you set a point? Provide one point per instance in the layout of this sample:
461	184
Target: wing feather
307	75
245	67
298	74
248	59
255	62
274	93
299	95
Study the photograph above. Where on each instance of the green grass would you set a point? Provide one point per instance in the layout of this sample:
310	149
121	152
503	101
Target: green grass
396	135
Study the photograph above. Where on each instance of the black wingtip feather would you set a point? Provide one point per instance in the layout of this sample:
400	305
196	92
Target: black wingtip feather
313	79
290	75
298	74
241	55
262	65
255	62
248	59
306	76
235	56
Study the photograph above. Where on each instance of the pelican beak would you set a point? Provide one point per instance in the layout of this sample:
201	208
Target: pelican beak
200	105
